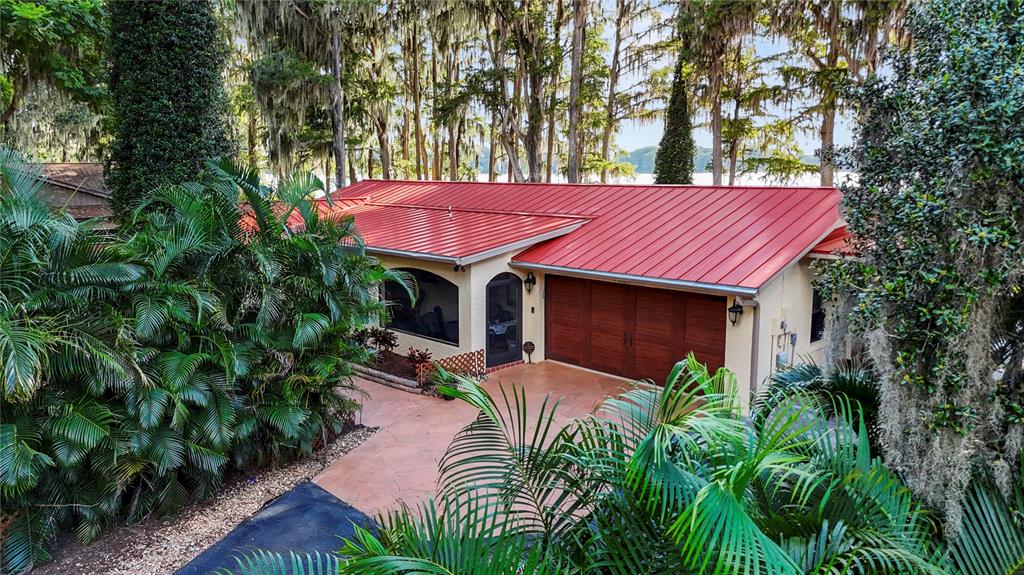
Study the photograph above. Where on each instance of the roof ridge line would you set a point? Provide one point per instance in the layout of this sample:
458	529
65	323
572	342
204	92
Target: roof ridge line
453	208
596	184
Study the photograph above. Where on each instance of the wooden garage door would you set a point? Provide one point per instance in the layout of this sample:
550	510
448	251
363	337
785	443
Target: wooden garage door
631	331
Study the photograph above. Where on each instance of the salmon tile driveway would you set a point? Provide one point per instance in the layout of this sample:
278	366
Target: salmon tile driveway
399	463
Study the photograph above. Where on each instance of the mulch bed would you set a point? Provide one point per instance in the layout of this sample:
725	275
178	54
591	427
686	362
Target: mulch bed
166	544
394	364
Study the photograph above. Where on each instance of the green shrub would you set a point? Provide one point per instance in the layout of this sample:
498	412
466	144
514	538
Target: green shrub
137	370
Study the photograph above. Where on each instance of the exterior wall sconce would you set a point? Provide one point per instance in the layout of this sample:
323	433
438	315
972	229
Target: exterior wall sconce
735	311
529	282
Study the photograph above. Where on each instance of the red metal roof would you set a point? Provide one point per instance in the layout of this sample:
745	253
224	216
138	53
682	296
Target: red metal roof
687	236
441	234
836	243
456	235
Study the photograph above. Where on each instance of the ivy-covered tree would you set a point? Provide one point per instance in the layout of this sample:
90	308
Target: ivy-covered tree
167	97
937	215
673	163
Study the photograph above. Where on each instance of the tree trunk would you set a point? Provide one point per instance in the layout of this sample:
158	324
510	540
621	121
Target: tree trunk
253	137
534	125
556	73
734	146
435	152
405	142
575	106
613	81
827	134
352	165
716	122
453	131
492	156
417	99
828	98
384	145
327	173
337	109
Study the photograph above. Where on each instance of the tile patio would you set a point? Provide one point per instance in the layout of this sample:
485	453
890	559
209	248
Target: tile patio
399	464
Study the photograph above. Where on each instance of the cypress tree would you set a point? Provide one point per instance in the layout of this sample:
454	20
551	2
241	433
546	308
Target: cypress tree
673	163
167	97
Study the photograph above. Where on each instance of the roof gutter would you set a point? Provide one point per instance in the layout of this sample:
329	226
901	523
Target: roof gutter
716	289
412	255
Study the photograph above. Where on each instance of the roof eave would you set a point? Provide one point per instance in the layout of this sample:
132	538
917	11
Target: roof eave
663	283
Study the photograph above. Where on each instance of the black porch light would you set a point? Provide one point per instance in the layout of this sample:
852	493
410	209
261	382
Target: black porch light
735	311
529	282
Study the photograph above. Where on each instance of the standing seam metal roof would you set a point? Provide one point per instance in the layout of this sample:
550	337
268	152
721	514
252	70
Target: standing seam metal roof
724	236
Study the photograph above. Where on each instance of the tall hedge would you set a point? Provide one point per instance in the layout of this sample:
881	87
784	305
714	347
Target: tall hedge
673	163
167	95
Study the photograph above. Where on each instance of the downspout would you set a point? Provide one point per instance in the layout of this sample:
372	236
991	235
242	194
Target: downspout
755	338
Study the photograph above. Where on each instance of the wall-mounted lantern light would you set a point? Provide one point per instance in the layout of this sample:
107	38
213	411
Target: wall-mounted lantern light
529	282
735	311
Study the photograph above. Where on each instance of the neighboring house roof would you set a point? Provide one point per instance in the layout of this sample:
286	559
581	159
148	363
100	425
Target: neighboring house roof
77	177
835	244
722	239
78	189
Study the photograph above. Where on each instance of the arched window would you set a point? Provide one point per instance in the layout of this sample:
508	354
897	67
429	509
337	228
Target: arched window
504	316
435	314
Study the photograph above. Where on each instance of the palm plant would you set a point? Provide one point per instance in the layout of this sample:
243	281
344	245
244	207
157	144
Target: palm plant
847	381
137	369
664	480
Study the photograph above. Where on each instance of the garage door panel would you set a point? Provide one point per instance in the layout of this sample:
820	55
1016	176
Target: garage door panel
658	319
705	329
608	327
566	323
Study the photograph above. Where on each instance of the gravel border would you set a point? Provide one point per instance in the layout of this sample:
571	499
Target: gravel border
164	545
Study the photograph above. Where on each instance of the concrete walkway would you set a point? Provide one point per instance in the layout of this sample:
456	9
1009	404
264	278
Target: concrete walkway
399	464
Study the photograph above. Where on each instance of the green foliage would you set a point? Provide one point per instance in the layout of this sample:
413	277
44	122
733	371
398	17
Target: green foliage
167	99
673	163
52	42
138	369
846	382
938	218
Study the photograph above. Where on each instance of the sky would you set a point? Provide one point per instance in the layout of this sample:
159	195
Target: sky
633	135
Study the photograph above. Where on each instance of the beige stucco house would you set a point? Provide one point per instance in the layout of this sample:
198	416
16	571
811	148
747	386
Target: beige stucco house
624	280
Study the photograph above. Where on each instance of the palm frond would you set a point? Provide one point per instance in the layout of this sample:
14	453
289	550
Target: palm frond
991	541
261	562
